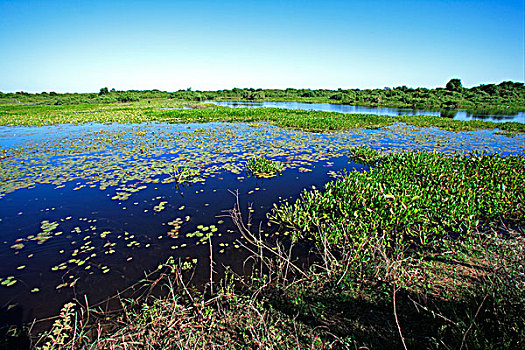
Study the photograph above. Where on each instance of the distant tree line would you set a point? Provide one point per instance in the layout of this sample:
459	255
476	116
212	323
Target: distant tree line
507	95
103	96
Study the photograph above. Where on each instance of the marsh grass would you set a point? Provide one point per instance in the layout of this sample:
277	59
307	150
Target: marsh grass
263	167
184	174
139	112
442	235
365	155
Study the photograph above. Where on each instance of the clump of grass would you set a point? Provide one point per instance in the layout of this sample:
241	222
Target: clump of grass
184	174
263	167
366	155
506	133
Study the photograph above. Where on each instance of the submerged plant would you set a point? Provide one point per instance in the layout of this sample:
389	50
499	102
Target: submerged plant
262	167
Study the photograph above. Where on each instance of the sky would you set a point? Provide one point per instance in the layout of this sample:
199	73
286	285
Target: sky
82	46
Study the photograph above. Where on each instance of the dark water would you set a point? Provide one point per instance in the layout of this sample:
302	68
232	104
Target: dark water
387	111
87	210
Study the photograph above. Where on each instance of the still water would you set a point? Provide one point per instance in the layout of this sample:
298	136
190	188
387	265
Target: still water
86	210
387	111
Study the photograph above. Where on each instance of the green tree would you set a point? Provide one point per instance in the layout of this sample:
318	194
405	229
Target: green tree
454	85
103	91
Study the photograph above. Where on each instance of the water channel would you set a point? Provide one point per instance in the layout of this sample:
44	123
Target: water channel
386	111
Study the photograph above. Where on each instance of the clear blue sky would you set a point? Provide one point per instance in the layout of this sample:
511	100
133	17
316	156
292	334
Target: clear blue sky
81	46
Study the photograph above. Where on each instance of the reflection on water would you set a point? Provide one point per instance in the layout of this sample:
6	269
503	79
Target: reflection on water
387	111
448	114
87	209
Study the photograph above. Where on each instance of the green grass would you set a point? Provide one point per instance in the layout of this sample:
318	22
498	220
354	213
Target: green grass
415	197
443	235
262	167
366	155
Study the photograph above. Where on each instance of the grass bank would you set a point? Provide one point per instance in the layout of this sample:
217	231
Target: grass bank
424	251
170	112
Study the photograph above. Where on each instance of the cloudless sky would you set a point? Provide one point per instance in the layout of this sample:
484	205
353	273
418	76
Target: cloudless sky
81	46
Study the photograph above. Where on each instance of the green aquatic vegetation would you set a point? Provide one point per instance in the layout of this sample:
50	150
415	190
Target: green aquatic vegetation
193	234
111	245
459	125
160	207
218	149
392	200
366	155
263	167
411	197
335	175
133	244
18	246
302	120
114	164
82	257
47	226
506	133
121	196
8	281
176	225
46	233
183	174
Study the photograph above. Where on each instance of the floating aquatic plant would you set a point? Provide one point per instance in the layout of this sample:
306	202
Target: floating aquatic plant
414	196
160	207
8	281
263	167
365	155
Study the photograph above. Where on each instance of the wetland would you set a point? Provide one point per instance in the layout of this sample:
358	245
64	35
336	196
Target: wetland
518	117
95	197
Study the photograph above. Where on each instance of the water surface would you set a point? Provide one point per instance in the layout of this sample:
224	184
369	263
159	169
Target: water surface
86	210
387	111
